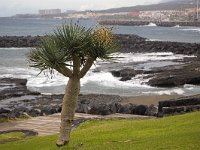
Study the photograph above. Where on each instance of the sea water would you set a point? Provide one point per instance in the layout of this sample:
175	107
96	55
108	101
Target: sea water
14	62
38	26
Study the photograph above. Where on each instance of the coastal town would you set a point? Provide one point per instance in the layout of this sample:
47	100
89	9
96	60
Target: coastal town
182	13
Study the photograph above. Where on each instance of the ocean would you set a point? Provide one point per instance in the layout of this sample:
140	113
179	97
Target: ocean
14	63
24	27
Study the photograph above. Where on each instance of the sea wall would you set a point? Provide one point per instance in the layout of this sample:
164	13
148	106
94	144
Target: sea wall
19	41
158	23
180	105
127	43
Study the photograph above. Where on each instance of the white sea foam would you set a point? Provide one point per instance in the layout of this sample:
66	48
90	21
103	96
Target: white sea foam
140	81
192	29
151	25
46	81
167	92
15	48
177	26
108	80
153	40
143	57
189	86
100	80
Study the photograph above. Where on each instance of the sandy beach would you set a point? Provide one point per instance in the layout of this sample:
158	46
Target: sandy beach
149	99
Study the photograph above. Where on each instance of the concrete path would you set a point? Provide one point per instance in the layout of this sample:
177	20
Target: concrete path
47	125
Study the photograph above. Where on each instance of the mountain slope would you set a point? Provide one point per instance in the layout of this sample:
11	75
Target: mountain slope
164	5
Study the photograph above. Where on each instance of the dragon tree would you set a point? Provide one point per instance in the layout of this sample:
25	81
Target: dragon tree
71	50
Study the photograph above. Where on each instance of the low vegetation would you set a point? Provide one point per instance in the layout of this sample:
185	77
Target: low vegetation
12	136
22	117
181	132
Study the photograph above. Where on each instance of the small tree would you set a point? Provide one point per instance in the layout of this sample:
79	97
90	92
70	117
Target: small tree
71	50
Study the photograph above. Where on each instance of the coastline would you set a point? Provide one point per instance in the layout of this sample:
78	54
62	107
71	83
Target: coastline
106	104
127	43
158	23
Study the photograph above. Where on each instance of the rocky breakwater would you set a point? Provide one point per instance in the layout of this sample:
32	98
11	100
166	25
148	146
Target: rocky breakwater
158	23
16	101
19	41
136	44
127	43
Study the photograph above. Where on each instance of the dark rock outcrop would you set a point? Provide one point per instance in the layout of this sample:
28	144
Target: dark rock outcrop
176	75
180	105
140	109
35	104
128	43
152	110
19	41
12	87
136	44
158	23
125	74
126	108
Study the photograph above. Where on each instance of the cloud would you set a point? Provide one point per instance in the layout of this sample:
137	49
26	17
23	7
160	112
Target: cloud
11	7
87	7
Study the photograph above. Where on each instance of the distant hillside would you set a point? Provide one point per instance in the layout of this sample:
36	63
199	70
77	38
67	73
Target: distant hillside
164	5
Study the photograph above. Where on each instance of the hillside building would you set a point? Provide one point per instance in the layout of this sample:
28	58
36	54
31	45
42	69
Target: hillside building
49	11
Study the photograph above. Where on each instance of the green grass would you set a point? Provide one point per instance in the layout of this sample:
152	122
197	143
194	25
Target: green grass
22	117
180	132
12	136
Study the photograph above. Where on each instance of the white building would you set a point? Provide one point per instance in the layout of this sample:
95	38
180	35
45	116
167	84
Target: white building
49	11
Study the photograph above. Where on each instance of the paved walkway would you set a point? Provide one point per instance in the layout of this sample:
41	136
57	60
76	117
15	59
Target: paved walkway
47	125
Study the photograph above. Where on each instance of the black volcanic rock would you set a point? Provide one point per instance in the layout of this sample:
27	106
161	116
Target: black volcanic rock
176	76
31	104
140	109
19	41
13	87
125	74
127	43
180	105
136	44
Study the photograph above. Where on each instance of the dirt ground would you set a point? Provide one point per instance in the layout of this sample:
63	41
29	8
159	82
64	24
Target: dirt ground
148	100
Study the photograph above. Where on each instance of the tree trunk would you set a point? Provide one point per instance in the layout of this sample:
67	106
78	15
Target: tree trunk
68	110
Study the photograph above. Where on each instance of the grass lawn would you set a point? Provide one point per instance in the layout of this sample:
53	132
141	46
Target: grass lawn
11	136
181	132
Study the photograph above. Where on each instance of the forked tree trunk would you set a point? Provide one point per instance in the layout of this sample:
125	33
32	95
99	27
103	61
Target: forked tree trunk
68	110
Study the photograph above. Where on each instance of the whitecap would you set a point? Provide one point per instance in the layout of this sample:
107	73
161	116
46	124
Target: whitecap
144	57
192	29
108	80
153	40
167	92
189	86
151	25
177	26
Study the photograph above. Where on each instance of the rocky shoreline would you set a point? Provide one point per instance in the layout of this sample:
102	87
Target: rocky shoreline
16	100
19	101
127	44
23	103
168	76
158	23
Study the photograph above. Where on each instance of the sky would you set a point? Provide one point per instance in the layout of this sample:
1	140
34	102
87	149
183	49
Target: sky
12	7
